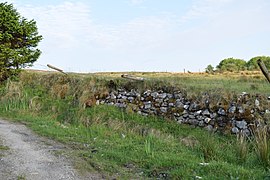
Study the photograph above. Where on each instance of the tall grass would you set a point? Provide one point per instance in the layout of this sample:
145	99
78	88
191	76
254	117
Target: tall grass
148	145
262	145
242	147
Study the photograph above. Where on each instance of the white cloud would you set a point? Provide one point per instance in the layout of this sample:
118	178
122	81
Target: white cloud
136	2
140	33
201	9
64	24
208	30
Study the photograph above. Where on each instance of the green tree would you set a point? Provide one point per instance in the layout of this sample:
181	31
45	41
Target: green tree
19	39
253	65
231	64
209	69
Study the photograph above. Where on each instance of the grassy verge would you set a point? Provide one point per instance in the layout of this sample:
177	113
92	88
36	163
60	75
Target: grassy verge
128	146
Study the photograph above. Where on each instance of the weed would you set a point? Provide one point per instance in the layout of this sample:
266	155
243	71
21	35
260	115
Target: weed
21	177
242	147
3	148
148	146
262	145
208	149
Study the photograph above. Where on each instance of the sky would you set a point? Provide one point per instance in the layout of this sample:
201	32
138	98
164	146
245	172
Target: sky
147	35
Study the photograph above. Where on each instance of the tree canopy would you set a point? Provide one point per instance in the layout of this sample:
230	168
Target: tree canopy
231	64
19	39
253	65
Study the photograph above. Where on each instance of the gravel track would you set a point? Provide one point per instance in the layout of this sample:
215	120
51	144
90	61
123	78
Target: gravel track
32	157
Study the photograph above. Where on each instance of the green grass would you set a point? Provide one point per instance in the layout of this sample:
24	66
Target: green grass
127	145
3	148
133	146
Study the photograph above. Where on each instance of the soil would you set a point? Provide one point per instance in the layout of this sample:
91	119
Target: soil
27	156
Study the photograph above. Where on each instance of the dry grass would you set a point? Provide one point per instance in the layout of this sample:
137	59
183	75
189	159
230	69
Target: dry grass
242	147
262	145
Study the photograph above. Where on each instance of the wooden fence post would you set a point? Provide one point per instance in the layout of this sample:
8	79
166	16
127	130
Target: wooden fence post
57	69
127	76
264	69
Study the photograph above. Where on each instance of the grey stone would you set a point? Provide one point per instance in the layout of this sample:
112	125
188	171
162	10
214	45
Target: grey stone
176	114
247	132
164	109
154	94
207	120
191	116
147	93
124	97
206	112
194	122
241	110
241	124
186	107
222	112
121	100
162	96
170	96
180	121
198	112
235	130
147	105
209	128
185	112
130	99
194	107
112	96
171	105
119	96
120	105
164	104
185	115
179	104
159	101
232	109
200	118
213	115
201	124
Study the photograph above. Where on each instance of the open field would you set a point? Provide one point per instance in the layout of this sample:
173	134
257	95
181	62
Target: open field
124	144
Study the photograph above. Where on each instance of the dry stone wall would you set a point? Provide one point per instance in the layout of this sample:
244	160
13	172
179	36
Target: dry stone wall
241	115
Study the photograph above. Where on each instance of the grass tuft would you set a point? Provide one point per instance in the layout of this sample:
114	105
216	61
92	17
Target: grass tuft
262	145
242	147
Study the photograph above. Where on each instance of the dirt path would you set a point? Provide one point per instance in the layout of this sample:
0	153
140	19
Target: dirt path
32	157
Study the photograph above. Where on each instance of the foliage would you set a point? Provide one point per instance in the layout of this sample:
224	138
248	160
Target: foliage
209	69
253	65
232	65
18	41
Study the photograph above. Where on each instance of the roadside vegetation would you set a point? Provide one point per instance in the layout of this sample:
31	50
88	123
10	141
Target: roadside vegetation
123	144
236	65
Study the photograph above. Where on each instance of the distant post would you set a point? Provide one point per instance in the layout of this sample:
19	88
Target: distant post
57	69
264	69
127	76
